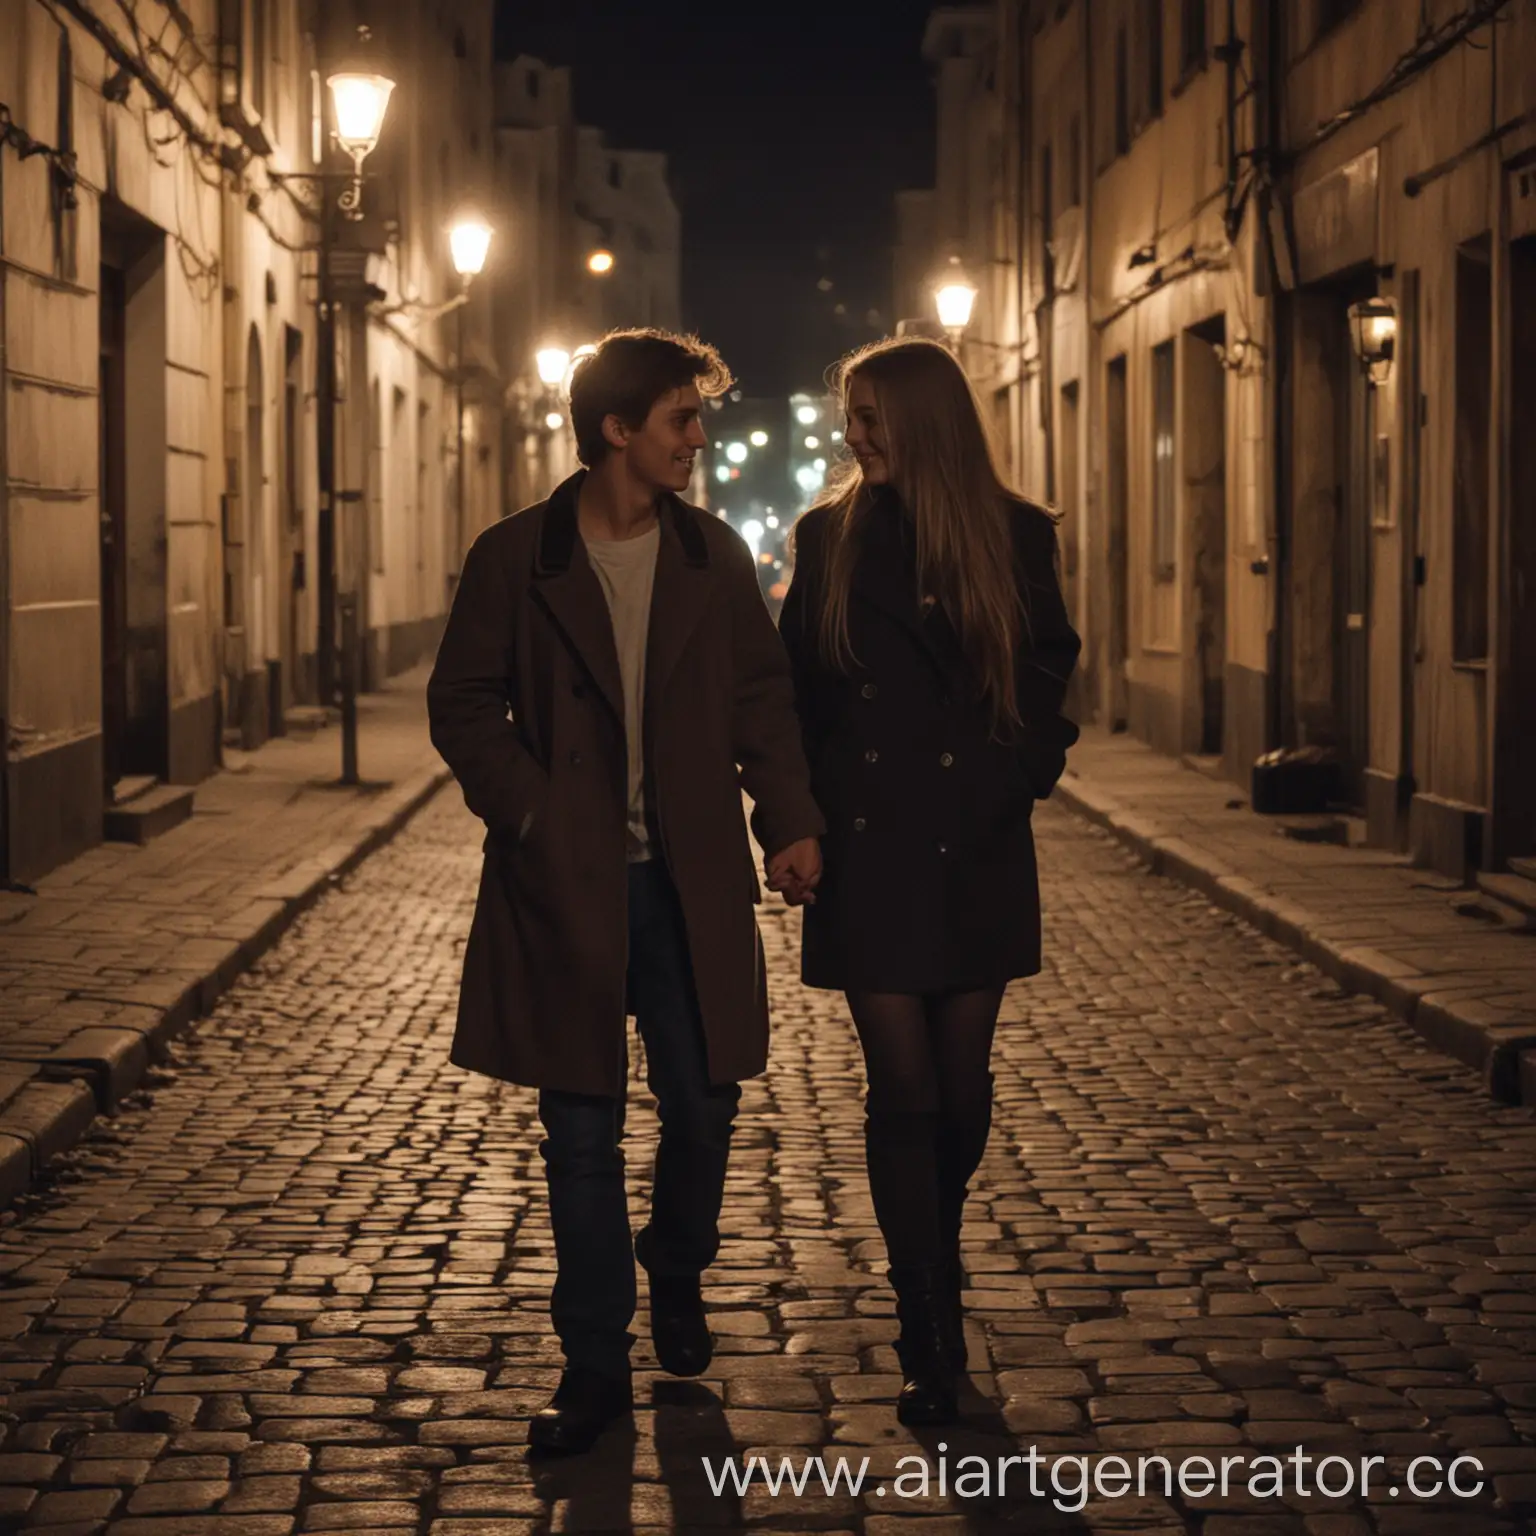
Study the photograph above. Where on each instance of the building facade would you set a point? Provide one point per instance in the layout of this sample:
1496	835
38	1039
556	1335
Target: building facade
165	547
190	535
1175	210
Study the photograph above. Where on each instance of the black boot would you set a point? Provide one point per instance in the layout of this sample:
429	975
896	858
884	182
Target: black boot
928	1388
678	1329
584	1405
951	1281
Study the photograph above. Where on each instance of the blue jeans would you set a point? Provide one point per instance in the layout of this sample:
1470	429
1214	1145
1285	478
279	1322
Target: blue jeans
594	1295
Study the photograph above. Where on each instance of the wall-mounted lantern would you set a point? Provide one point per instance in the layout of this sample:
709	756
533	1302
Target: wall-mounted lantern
1373	330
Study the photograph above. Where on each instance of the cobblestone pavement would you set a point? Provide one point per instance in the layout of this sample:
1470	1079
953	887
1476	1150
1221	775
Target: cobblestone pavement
298	1285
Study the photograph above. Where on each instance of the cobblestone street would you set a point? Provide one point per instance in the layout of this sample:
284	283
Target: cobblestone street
299	1283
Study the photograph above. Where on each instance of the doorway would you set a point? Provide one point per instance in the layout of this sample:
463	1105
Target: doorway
1070	505
288	684
1119	627
1328	569
131	469
1203	458
1512	825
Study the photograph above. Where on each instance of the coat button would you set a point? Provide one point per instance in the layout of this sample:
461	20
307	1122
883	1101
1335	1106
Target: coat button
575	759
946	760
858	823
872	756
868	691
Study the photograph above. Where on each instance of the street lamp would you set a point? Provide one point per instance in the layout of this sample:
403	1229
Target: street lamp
1373	330
600	262
552	363
954	297
469	242
359	102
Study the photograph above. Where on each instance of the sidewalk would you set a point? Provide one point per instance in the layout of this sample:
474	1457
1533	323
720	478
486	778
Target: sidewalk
121	948
1367	918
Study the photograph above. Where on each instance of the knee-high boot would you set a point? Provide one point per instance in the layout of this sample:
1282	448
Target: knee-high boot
961	1141
901	1147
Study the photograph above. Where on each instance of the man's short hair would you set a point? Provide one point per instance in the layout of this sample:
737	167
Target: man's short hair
628	373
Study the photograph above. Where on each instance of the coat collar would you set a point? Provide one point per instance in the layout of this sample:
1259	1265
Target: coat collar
564	578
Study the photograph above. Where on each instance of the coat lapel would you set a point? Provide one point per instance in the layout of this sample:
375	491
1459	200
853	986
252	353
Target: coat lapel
568	587
679	597
884	575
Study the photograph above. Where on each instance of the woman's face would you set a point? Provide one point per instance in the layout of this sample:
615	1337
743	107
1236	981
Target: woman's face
864	434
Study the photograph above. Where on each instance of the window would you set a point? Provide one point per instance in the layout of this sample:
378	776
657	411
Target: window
1163	546
1075	161
1474	404
1122	93
1191	36
1152	24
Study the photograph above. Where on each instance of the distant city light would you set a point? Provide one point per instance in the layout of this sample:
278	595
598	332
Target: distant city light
837	437
807	478
813	442
554	421
759	439
771	520
820	466
736	452
719	445
806	415
722	472
752	532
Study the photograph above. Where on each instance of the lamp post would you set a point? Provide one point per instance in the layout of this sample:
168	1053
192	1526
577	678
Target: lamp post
358	102
468	242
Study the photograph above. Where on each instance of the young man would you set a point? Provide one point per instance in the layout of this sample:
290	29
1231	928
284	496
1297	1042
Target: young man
608	683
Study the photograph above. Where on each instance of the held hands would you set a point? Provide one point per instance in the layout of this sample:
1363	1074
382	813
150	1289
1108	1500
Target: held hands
795	872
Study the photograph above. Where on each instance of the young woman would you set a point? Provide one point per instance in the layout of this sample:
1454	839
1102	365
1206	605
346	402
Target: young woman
931	651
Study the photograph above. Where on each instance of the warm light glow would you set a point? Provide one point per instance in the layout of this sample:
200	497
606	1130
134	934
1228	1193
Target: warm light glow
359	102
469	240
736	452
771	520
813	443
552	363
954	302
752	531
759	439
600	262
554	421
1373	329
806	415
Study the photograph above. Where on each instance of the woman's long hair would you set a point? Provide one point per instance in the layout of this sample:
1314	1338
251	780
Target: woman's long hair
941	466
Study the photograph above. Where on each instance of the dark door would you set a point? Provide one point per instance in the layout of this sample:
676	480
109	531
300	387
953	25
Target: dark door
1352	595
1119	538
113	521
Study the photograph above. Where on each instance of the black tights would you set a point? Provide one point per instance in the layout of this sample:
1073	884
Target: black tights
929	1107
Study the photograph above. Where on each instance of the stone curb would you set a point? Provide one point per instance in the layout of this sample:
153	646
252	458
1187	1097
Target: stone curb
1501	1051
122	1032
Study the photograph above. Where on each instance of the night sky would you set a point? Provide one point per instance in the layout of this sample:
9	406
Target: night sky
789	124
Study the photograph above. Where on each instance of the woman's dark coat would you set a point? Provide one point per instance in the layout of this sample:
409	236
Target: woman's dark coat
527	708
929	881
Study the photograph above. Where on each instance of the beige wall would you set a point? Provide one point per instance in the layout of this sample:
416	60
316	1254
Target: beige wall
212	307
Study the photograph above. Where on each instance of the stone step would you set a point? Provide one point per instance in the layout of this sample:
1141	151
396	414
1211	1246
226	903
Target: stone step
148	814
1514	892
131	786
